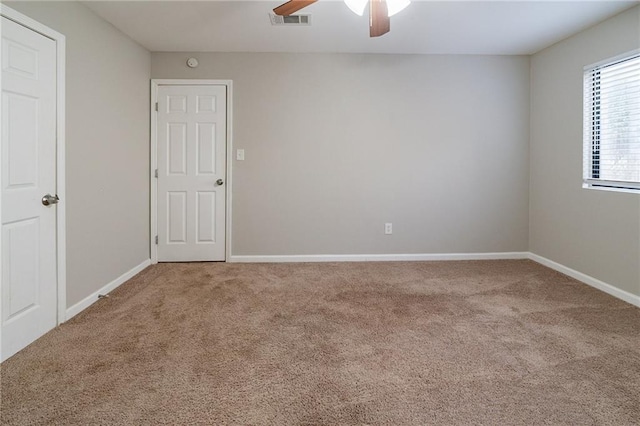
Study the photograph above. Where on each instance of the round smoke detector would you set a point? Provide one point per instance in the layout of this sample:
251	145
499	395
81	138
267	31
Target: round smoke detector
192	62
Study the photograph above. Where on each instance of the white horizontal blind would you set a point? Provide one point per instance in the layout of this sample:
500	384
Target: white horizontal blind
612	124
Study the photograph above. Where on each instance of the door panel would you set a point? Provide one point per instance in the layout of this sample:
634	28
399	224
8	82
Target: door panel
177	149
22	264
206	221
191	144
177	217
29	272
22	140
206	154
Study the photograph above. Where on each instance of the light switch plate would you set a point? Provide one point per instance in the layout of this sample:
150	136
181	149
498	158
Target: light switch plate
240	155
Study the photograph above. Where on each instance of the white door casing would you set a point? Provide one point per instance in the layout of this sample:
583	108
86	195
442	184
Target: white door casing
29	155
191	162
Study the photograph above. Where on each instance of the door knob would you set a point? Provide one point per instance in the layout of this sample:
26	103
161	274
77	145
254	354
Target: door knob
219	182
49	199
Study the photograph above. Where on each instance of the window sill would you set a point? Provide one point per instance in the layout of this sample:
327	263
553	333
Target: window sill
610	188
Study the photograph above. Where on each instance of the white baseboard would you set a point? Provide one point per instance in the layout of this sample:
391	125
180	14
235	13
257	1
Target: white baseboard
593	282
587	279
92	298
377	257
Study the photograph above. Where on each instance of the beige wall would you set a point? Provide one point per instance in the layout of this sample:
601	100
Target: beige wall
106	147
595	232
337	145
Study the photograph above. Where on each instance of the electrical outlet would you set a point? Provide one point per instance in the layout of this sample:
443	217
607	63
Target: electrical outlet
388	228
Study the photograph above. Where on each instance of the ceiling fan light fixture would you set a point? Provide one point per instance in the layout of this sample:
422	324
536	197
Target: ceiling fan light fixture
395	6
357	6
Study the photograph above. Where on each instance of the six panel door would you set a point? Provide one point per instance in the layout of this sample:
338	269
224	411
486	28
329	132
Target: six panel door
29	272
191	137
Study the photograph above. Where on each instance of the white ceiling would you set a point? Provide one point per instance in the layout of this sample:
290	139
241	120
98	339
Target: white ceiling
425	27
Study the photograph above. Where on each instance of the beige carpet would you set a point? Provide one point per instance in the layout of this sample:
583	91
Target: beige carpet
416	343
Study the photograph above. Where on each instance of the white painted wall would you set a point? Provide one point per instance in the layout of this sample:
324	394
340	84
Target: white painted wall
594	232
338	144
107	146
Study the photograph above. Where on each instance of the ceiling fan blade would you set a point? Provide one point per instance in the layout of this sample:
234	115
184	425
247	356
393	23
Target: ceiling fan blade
292	6
379	22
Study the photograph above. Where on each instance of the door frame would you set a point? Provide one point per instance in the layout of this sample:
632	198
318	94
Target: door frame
61	253
155	85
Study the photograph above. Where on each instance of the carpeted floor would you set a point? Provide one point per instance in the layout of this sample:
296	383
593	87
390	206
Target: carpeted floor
416	343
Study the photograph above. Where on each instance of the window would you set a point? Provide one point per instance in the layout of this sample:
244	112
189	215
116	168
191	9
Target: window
612	123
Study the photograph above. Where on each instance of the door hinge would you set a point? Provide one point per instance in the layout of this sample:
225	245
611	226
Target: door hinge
156	239
156	106
156	173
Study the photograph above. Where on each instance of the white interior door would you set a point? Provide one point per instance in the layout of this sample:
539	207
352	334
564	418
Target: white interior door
29	274
192	144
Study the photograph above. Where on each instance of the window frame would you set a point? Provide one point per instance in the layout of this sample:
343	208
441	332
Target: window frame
591	131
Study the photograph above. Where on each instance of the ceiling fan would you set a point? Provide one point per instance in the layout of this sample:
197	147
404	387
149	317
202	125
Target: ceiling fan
379	11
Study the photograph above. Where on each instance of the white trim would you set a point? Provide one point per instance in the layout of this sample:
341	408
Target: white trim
611	184
593	282
611	60
61	182
92	298
589	186
230	159
60	41
155	83
30	23
153	162
189	82
587	279
378	257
